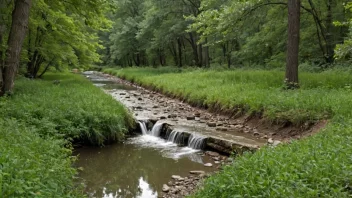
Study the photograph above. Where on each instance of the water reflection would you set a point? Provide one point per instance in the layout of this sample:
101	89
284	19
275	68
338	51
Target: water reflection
138	168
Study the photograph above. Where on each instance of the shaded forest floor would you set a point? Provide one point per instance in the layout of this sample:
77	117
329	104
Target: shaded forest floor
316	166
38	125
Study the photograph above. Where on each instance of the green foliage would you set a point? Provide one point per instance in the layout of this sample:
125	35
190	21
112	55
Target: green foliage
32	166
73	108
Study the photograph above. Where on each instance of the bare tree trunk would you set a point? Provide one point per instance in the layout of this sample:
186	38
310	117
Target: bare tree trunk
179	43
293	44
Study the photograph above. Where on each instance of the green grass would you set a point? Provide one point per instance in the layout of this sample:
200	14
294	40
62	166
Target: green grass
38	124
318	166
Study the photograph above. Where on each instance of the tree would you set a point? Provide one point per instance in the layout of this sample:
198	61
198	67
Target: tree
20	17
293	43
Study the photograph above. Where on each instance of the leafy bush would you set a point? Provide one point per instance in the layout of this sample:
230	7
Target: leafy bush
31	166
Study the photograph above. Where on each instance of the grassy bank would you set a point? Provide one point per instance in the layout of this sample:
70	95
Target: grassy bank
251	91
37	125
319	166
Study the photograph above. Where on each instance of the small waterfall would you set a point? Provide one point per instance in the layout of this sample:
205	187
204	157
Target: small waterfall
196	141
143	127
176	137
157	129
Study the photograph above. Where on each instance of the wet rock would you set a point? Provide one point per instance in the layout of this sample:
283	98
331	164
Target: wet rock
212	154
172	116
211	124
197	172
208	165
165	188
255	133
270	141
221	129
190	117
177	177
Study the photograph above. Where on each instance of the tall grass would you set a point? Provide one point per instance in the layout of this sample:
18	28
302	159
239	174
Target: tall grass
39	122
318	166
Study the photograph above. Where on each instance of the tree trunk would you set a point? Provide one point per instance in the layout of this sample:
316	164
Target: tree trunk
19	26
207	58
200	55
179	43
293	44
329	37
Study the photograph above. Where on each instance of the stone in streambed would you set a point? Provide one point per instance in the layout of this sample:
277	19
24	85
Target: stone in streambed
177	177
196	172
212	154
208	165
165	188
211	124
190	117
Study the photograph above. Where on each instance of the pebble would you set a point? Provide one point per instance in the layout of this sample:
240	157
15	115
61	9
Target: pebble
208	165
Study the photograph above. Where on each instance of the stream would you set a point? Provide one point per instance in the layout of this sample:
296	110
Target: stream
140	166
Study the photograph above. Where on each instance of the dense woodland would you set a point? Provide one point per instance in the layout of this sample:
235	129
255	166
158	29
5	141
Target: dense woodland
202	33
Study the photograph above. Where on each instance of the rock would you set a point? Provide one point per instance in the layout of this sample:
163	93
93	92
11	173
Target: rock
221	129
270	141
140	99
197	118
197	172
212	154
211	124
256	133
165	188
230	159
162	117
208	165
155	106
172	116
276	142
190	117
217	162
197	114
122	94
169	183
177	177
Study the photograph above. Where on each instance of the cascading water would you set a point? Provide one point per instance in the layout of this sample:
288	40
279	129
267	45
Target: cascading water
143	127
176	137
157	129
196	141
